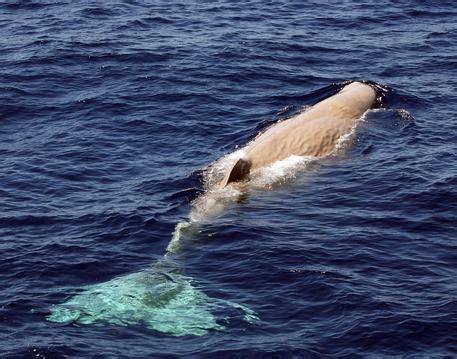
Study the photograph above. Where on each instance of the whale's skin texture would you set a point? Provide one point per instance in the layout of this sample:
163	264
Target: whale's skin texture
315	132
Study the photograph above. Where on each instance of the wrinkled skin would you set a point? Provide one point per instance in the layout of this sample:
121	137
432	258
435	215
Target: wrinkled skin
314	132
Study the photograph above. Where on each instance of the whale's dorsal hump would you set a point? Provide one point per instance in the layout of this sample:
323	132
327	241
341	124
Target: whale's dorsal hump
239	171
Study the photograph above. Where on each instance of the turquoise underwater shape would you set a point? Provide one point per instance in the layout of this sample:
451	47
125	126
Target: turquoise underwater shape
160	298
167	303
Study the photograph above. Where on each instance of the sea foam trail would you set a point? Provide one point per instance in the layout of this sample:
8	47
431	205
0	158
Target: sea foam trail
214	199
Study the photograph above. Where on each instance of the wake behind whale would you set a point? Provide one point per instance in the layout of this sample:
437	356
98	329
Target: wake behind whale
162	297
215	198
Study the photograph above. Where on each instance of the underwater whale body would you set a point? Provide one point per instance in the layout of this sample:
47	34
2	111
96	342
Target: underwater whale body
314	132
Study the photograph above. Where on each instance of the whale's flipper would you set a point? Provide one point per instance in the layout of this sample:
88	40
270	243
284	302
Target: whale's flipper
238	172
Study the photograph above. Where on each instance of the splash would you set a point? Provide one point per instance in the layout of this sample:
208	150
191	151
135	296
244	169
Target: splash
215	198
346	139
281	172
161	301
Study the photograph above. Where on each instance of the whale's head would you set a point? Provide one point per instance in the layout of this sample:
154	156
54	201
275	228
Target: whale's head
359	96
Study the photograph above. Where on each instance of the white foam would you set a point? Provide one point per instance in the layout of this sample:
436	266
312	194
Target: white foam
215	198
211	202
280	171
174	245
346	138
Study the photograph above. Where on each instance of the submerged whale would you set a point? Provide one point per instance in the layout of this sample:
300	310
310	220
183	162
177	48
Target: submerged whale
314	132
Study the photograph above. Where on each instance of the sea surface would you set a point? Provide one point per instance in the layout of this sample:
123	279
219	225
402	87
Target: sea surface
118	118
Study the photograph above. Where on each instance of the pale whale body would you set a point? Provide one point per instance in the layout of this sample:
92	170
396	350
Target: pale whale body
314	132
164	299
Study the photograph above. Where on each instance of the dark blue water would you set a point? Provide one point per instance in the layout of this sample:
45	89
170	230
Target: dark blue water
110	114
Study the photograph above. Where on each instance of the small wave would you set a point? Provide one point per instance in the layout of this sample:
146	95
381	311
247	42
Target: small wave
280	171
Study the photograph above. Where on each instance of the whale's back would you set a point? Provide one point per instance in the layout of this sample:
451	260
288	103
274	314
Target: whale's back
314	132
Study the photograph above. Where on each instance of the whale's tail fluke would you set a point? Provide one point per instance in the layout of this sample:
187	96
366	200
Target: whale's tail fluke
159	298
239	171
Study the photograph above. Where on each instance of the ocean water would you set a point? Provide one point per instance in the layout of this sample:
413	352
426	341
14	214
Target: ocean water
116	120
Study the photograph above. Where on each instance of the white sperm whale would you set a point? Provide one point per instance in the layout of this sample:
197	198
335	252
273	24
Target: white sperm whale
314	132
164	299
